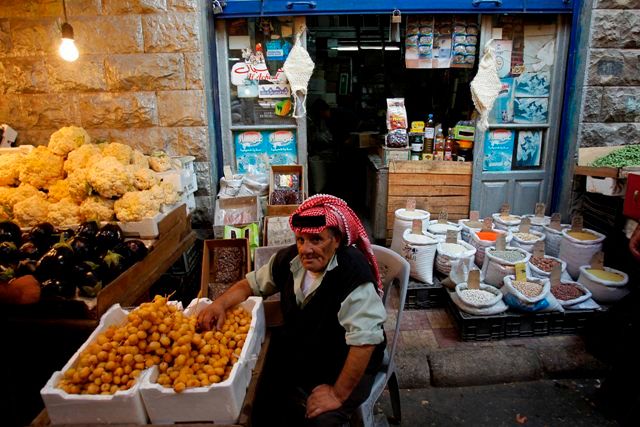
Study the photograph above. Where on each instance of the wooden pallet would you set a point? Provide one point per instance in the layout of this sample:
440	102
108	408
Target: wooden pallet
435	185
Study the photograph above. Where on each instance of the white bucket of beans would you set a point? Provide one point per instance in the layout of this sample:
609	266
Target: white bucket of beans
542	266
570	293
606	284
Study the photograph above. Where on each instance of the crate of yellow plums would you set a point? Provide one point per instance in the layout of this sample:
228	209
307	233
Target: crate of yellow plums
151	364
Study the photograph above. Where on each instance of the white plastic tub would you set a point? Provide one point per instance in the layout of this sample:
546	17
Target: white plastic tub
604	291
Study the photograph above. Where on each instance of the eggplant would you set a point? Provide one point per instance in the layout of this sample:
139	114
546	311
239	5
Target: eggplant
111	266
6	274
10	232
57	287
57	263
87	280
8	253
88	230
108	237
26	267
30	250
132	250
42	235
63	234
83	248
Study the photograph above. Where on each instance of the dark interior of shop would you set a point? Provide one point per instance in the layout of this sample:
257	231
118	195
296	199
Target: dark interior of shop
358	67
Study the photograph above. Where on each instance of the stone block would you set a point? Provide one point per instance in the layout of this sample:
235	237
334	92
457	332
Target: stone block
84	8
204	177
47	111
108	34
193	70
202	216
34	137
592	104
608	134
191	141
118	110
617	4
158	71
146	140
30	8
64	76
615	28
121	7
621	104
34	37
171	32
614	67
181	108
183	5
23	75
5	36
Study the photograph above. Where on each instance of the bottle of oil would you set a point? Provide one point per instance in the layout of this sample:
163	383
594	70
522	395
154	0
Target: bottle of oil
429	134
448	146
439	145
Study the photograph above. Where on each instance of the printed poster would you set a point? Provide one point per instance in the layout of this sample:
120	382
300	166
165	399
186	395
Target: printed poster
539	47
503	107
256	151
533	84
503	50
498	150
531	110
529	149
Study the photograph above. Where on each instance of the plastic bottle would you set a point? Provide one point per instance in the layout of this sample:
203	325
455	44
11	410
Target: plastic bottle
429	134
439	145
448	146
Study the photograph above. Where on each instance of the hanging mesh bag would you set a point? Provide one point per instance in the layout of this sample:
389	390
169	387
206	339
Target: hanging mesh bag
298	68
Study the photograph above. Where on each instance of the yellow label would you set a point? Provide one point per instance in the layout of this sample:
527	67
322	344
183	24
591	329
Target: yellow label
521	272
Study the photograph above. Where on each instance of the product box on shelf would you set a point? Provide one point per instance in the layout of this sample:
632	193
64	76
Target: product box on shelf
123	407
277	231
218	403
236	211
287	183
224	261
388	154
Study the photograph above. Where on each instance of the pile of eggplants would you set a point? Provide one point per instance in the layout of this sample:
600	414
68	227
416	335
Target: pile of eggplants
66	262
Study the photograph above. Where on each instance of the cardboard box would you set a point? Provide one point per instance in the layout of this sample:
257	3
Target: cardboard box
606	186
277	231
210	263
123	407
282	210
218	403
236	211
365	139
388	154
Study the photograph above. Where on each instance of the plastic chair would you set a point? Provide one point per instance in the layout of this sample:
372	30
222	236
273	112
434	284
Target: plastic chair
394	269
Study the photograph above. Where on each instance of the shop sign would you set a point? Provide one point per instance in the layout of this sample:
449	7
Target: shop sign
274	91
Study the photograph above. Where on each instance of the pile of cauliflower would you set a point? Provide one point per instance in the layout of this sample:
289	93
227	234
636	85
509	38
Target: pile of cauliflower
74	180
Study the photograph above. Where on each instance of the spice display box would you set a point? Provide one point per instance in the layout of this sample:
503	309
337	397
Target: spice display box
218	273
236	211
296	170
218	403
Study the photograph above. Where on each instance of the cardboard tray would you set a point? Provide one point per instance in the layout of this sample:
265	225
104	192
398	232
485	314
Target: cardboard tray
210	265
285	210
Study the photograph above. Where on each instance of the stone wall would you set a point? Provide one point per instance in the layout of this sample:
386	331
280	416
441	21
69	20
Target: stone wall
139	79
611	97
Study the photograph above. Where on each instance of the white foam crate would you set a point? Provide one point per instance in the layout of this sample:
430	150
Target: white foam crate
218	403
183	180
122	407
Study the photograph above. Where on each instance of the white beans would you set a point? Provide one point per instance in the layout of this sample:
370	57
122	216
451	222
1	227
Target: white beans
476	296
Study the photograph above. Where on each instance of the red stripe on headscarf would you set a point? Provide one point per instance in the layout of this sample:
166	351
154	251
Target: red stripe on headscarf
338	214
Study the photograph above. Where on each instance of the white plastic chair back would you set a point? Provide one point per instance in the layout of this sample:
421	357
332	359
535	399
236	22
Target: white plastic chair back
393	269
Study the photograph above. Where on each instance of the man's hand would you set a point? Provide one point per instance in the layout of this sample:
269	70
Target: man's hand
322	399
634	243
212	315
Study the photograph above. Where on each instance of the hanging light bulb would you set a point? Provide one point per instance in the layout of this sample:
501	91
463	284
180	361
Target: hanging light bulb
68	50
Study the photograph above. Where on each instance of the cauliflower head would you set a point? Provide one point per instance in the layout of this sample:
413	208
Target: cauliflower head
41	168
120	151
67	139
10	168
64	213
82	157
143	178
138	158
136	205
24	191
109	178
96	208
79	188
165	193
159	161
31	211
58	190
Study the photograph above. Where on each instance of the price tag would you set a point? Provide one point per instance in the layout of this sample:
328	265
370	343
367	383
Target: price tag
597	261
577	223
474	216
473	280
521	272
501	242
525	225
540	209
452	236
556	272
505	209
538	249
416	226
411	204
487	224
443	217
555	222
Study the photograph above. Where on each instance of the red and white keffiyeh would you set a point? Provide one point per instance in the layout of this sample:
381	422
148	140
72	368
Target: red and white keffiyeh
337	214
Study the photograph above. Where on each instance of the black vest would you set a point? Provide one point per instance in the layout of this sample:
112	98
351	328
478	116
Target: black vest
314	339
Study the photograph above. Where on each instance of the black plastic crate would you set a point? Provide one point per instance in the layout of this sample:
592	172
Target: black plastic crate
423	295
188	261
527	325
571	321
477	328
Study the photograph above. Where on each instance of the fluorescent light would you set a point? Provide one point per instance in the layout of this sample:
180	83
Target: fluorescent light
392	48
345	48
371	48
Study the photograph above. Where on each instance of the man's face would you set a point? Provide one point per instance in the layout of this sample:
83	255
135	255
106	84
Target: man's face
316	250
